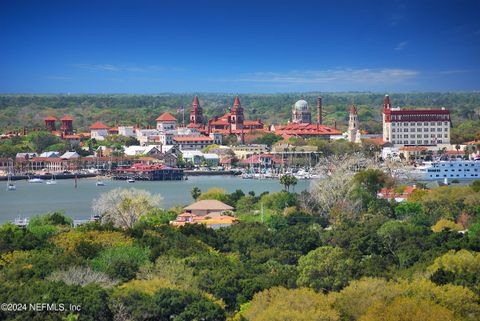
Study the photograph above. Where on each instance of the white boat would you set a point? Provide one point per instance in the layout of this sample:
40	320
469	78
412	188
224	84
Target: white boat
130	180
10	185
52	181
21	222
100	183
454	169
35	180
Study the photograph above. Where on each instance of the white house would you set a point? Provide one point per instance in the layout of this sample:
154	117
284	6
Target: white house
166	122
99	131
127	131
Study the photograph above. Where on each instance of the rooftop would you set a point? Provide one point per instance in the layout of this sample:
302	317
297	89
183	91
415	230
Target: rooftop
209	205
166	116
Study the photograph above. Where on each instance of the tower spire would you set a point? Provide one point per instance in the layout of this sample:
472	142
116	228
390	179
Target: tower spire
386	102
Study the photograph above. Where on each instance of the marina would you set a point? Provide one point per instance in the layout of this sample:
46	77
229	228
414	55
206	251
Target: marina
29	199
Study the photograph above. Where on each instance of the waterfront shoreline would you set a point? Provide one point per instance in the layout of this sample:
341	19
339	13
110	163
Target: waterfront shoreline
47	176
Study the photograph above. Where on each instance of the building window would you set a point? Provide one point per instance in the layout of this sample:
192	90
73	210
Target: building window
405	130
419	124
445	135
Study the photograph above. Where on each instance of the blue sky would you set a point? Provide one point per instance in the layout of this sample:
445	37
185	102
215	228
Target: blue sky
139	46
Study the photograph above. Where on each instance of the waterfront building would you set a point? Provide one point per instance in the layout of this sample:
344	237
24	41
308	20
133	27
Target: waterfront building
149	150
197	158
415	127
155	172
244	151
261	162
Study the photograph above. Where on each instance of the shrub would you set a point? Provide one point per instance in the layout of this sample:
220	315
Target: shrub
121	262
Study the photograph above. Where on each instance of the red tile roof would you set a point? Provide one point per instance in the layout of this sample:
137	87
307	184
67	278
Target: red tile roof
226	161
413	148
256	159
50	118
305	129
66	118
455	152
390	192
376	141
237	101
72	136
99	125
473	142
166	117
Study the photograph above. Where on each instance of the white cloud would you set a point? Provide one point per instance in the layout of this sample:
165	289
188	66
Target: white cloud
121	68
367	76
401	45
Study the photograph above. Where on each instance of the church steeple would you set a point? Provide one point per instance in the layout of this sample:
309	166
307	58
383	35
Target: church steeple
237	114
353	132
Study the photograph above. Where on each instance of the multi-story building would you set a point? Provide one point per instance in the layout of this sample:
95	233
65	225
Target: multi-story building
415	127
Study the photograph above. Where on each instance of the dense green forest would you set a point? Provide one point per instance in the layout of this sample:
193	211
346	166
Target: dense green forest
17	111
377	260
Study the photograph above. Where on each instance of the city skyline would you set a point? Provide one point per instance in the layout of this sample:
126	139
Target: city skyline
222	46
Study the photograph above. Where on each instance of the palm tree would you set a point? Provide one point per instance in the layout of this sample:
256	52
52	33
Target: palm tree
287	181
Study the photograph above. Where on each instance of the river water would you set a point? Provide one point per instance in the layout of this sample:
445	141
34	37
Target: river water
33	199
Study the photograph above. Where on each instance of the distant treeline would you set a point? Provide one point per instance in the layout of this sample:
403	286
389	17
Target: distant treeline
17	111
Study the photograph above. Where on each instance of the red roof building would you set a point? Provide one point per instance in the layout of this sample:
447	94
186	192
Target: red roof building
399	195
415	127
305	130
166	116
261	161
99	125
234	121
67	125
50	123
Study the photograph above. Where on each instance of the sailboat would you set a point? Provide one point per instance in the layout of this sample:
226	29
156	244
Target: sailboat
52	180
10	185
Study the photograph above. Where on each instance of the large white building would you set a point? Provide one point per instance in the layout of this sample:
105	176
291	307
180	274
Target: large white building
415	127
